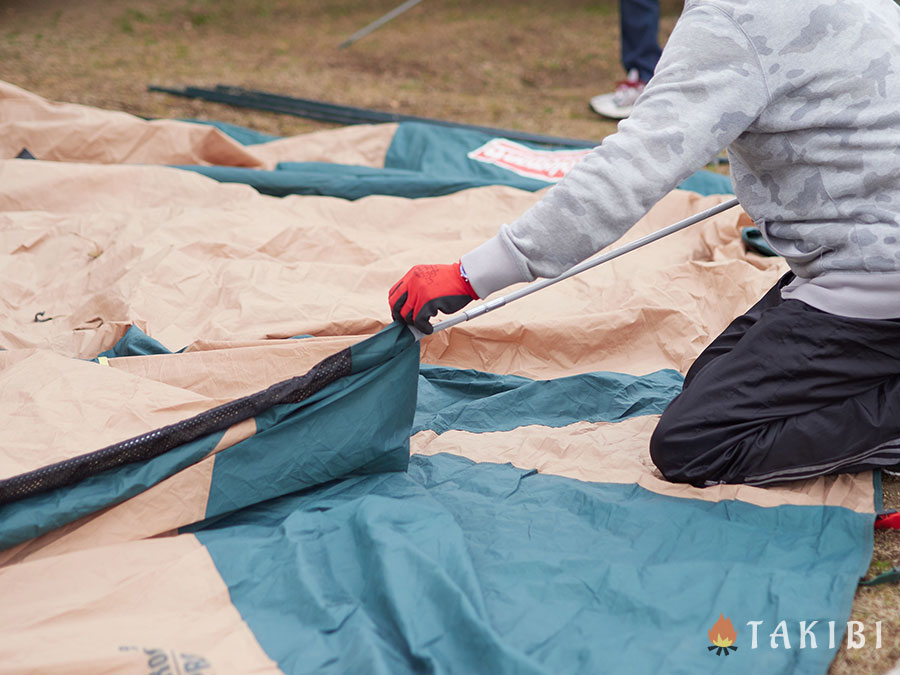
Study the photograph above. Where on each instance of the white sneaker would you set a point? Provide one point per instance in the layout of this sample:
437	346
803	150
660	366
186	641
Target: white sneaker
618	105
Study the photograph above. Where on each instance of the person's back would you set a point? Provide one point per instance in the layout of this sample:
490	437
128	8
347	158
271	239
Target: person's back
819	169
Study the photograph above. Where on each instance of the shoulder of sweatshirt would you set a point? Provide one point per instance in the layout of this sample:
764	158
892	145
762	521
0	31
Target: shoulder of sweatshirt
799	28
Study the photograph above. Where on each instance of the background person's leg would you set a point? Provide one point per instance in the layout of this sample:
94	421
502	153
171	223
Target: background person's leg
639	22
801	393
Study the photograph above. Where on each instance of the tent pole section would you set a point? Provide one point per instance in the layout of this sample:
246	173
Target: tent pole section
378	23
534	287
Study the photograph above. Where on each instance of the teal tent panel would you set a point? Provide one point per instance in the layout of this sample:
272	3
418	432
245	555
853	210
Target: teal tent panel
359	424
458	566
469	400
440	151
423	160
355	182
437	151
359	577
339	180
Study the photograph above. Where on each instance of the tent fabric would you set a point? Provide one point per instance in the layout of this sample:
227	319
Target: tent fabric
104	260
422	160
242	135
438	569
342	114
308	410
111	137
481	502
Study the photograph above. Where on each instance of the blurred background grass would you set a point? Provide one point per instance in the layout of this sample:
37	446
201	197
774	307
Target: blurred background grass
519	64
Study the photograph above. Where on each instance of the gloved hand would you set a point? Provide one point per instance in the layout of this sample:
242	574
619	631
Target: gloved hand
425	289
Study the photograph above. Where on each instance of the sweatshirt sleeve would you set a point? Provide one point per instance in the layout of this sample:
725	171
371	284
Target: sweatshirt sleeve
708	88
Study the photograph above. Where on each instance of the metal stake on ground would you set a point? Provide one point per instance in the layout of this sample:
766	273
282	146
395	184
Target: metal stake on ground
491	305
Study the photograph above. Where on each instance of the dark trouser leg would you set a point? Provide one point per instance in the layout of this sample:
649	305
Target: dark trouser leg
786	392
639	20
736	329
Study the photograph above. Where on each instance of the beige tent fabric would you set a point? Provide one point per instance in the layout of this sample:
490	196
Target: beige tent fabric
231	371
163	508
191	259
60	407
133	608
67	132
63	407
229	274
360	144
617	453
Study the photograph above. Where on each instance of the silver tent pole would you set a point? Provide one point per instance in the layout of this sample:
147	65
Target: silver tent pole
378	23
534	287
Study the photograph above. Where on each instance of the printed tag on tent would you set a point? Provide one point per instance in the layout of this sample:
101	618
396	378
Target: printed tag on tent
548	165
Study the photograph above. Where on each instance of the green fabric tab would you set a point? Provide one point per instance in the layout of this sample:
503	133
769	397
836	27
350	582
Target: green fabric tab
890	577
754	241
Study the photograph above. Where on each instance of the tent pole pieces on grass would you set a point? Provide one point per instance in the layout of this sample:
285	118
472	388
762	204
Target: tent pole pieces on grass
378	23
342	114
491	305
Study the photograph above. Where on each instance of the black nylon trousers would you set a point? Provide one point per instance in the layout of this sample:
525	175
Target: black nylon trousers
785	392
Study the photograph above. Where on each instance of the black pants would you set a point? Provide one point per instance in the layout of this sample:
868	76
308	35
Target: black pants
786	392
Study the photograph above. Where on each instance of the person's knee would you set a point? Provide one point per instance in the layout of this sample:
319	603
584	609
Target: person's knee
683	451
665	450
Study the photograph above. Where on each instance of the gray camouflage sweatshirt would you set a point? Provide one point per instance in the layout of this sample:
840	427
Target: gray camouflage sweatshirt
806	97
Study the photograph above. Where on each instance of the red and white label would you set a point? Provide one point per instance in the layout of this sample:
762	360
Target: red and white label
548	165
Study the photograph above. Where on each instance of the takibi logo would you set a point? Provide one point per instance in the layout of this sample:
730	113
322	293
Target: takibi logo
723	636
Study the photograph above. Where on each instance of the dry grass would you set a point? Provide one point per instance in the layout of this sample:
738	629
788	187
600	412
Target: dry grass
506	63
877	603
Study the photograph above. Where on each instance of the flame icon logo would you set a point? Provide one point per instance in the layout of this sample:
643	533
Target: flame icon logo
723	636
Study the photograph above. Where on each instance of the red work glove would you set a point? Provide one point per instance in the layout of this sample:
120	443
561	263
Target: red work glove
425	289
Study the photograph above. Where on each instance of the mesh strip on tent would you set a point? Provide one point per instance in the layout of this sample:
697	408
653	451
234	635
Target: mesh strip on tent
159	441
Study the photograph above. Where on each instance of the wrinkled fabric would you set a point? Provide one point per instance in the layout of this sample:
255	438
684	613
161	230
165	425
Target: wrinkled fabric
530	533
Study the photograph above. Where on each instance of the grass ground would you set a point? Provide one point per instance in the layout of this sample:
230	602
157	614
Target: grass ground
518	64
